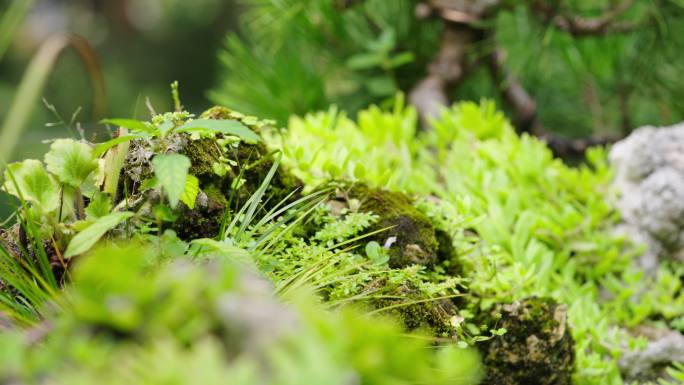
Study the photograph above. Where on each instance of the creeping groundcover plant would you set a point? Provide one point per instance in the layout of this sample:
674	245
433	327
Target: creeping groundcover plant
219	248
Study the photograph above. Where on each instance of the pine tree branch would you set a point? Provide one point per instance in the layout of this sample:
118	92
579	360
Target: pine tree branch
525	114
582	26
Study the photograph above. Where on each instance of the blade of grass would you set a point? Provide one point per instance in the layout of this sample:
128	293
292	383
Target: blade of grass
288	228
250	207
415	302
256	198
277	211
300	213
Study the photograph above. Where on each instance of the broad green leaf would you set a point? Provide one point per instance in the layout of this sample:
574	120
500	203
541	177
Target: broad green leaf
191	190
172	172
84	240
364	61
376	253
133	125
33	184
100	205
227	127
90	186
70	161
401	59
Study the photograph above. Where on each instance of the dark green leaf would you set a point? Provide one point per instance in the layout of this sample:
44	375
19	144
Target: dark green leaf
172	172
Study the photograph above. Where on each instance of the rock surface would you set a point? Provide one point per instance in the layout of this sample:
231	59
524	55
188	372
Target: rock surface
537	348
664	347
649	167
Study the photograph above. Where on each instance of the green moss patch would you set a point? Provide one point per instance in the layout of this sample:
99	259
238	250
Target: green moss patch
537	347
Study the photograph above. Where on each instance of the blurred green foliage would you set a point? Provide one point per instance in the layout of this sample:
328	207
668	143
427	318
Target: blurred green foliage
142	46
520	222
130	321
315	53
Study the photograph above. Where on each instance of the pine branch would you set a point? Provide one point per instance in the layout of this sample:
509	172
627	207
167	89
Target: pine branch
525	114
582	26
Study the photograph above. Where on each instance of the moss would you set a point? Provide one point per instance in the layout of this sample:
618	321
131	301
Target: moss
253	162
221	113
204	220
537	348
447	255
409	306
203	153
411	234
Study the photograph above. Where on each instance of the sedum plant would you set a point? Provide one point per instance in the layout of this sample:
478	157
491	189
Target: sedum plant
543	228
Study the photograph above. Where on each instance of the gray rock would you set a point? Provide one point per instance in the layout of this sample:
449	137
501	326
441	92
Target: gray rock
649	173
665	347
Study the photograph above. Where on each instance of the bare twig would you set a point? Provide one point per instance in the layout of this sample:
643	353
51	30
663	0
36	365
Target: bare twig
569	148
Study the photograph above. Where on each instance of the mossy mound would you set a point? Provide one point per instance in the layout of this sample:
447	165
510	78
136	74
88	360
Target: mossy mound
415	311
228	174
407	233
537	348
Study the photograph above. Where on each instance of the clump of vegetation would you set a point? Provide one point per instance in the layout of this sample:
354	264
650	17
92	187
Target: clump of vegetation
523	223
571	67
468	235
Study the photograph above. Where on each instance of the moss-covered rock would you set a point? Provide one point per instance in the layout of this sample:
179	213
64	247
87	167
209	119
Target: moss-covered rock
408	234
228	174
415	311
537	348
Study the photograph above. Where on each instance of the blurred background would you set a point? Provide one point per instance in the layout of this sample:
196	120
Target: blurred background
141	45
